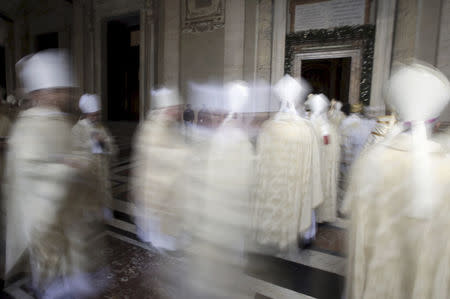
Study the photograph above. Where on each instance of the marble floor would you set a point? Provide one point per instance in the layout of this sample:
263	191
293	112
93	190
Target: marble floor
316	272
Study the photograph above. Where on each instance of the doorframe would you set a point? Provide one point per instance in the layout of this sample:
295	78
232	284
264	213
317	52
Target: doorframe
355	67
147	62
147	49
358	37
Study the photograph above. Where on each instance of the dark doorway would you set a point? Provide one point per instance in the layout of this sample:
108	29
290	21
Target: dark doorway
123	68
329	76
47	41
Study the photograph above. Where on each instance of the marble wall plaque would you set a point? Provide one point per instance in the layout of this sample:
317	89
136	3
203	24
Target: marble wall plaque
329	14
202	15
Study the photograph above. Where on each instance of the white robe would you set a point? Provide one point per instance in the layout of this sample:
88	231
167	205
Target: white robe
99	158
217	212
392	252
288	182
336	117
47	202
355	132
160	156
329	167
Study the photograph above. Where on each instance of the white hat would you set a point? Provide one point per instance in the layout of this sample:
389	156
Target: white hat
89	103
163	98
10	99
418	92
318	103
291	90
236	96
46	69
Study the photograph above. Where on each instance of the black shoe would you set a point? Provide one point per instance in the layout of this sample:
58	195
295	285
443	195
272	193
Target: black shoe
305	243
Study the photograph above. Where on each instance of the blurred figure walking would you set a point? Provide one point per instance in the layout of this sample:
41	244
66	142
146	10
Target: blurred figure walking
93	140
47	185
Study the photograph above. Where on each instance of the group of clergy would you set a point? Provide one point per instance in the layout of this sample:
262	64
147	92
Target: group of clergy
218	195
221	195
55	182
192	196
398	195
209	195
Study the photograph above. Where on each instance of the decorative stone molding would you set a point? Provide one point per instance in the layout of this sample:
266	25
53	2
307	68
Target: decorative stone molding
202	15
352	51
149	9
360	37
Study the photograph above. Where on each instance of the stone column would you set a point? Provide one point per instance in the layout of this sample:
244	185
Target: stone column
443	57
234	40
264	40
78	42
147	57
169	44
7	40
250	40
279	39
89	50
417	30
383	50
428	27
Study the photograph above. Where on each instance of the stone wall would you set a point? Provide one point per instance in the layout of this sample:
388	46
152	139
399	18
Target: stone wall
422	31
202	57
443	55
405	30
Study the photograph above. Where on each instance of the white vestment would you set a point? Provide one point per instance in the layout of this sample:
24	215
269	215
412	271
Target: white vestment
336	117
217	213
48	211
160	156
288	182
86	138
395	200
329	167
355	132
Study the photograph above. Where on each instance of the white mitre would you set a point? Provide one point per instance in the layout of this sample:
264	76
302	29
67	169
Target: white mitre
236	97
418	92
89	103
291	90
318	103
164	98
46	69
10	99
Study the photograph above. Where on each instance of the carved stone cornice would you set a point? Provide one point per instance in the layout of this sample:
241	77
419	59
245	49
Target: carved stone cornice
203	18
148	6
